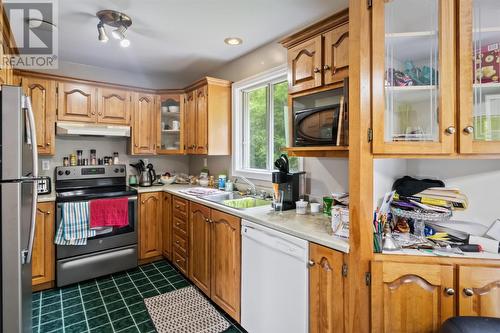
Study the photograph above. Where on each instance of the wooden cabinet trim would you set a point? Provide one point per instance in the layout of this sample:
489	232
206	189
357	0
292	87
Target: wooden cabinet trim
478	291
43	261
150	225
199	246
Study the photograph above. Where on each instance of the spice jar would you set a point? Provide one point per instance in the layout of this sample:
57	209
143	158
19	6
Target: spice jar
72	160
79	156
65	161
115	158
93	160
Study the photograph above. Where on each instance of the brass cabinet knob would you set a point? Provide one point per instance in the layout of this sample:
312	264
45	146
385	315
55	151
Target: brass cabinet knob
207	220
47	144
449	291
468	292
176	242
100	113
326	67
316	70
177	206
451	130
469	130
311	263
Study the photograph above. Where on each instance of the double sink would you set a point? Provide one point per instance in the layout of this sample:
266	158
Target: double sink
236	200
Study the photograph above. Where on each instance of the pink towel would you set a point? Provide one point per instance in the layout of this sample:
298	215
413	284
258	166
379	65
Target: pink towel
109	212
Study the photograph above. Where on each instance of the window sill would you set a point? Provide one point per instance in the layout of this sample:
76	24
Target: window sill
253	174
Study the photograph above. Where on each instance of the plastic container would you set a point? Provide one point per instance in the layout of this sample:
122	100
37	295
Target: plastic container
301	207
222	182
315	206
229	186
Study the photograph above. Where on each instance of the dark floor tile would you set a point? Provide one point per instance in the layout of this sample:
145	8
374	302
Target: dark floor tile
146	327
51	308
122	280
133	300
35	321
181	284
86	284
34	329
165	289
109	291
145	288
74	318
35	311
129	293
102	329
51	326
140	281
90	297
69	289
71	294
35	297
118	314
51	300
150	293
123	323
137	307
45	318
71	301
76	328
73	309
98	321
94	303
176	278
50	293
125	286
131	329
115	305
89	290
95	312
112	298
139	317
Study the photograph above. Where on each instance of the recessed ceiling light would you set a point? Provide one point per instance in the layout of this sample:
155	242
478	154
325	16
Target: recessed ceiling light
233	41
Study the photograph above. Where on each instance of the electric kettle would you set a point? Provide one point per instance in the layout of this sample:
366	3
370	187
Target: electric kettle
145	178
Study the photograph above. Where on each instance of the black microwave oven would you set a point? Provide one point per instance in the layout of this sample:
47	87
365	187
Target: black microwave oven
324	125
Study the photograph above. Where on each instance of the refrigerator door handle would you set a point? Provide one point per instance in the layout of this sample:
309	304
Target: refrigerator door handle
27	253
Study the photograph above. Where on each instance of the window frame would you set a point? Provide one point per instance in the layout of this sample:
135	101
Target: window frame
240	147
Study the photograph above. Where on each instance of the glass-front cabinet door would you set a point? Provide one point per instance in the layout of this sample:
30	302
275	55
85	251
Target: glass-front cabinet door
171	124
413	77
479	76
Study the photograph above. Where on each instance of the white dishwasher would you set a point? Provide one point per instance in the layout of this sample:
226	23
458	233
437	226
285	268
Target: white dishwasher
274	281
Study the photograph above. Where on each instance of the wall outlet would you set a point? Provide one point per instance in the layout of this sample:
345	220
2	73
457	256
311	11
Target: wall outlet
45	165
146	161
205	162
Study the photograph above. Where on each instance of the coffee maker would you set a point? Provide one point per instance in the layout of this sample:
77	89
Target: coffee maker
291	183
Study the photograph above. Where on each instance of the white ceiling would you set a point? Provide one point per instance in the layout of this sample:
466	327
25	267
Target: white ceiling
181	38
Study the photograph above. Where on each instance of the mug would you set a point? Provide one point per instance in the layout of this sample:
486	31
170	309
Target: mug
176	125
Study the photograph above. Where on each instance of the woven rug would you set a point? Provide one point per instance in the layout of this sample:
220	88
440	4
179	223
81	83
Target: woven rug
185	310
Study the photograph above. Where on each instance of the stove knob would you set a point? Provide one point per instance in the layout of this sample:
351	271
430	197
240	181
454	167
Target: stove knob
67	172
116	170
60	172
122	170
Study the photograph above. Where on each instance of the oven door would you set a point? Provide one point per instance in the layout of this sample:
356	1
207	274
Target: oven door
316	126
118	237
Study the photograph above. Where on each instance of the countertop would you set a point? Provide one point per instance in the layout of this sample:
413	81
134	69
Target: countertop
47	197
311	227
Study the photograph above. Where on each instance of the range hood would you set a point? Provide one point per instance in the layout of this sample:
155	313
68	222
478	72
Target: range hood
65	128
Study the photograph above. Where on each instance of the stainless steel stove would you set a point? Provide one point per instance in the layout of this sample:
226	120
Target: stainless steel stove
108	252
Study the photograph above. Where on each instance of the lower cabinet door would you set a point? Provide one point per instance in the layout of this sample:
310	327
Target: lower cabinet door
411	297
167	233
326	290
43	261
199	246
150	225
478	291
226	262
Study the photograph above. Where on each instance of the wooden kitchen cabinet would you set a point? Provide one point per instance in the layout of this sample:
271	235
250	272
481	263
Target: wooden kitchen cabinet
180	229
144	133
113	106
413	77
76	102
150	225
226	262
478	291
410	297
326	290
208	117
43	260
171	108
336	60
199	246
304	65
43	101
166	230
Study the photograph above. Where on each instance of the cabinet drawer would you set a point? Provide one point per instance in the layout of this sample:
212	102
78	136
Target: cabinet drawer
180	242
180	224
180	261
180	205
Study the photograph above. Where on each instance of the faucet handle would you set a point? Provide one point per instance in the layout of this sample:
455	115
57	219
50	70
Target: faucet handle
263	194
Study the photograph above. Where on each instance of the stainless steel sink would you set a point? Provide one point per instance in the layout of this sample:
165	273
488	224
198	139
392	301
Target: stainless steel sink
236	200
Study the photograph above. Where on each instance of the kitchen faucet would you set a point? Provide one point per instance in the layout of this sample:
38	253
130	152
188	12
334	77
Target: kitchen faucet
252	189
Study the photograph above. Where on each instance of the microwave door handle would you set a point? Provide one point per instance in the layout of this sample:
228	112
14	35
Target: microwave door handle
27	254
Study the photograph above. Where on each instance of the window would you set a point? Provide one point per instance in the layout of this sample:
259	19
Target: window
260	114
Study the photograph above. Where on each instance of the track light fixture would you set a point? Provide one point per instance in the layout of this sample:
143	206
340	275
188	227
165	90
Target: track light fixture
121	22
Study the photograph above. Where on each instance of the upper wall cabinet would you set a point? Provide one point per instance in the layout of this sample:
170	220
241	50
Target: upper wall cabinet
43	100
319	55
76	102
479	76
171	124
208	117
113	106
144	133
413	77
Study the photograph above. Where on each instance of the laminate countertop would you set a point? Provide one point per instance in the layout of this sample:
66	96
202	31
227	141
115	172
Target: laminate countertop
311	227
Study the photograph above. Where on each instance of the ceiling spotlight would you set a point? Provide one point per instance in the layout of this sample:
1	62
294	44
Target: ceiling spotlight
119	33
233	41
103	37
125	42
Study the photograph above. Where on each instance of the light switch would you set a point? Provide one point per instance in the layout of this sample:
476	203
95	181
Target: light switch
45	165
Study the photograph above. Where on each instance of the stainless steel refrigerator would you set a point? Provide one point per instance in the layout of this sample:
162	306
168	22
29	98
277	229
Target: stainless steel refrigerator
19	172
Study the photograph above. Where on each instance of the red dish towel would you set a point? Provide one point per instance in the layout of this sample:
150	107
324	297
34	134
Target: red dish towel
109	212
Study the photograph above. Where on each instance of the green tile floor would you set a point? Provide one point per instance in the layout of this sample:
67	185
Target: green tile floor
109	304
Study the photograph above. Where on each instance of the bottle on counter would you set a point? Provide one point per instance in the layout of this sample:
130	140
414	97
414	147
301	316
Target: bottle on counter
116	160
93	159
222	182
79	157
72	160
65	161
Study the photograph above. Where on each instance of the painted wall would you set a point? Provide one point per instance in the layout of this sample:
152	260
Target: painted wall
324	175
105	147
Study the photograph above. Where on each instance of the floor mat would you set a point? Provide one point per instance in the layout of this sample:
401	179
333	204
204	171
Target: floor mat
185	310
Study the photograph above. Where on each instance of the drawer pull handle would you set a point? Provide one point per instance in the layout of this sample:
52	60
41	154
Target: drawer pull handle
449	291
468	292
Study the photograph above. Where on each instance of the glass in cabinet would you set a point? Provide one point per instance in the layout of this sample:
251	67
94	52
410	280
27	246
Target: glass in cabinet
413	87
479	76
171	124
